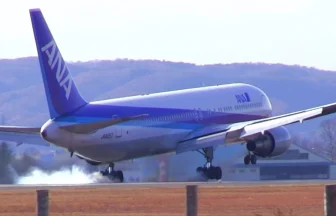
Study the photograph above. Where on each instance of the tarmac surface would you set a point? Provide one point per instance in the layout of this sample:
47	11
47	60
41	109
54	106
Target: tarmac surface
171	184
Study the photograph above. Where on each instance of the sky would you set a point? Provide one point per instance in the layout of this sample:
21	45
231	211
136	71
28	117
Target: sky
301	32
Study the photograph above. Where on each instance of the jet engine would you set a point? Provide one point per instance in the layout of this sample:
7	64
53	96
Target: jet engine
273	142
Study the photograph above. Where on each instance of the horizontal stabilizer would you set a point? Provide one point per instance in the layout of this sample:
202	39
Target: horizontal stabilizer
84	128
21	134
20	129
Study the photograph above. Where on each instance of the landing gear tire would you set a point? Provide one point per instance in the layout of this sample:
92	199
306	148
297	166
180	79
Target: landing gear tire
213	172
250	158
120	175
200	169
113	175
216	172
247	159
208	171
253	159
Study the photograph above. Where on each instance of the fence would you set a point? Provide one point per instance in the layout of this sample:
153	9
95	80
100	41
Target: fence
42	208
192	201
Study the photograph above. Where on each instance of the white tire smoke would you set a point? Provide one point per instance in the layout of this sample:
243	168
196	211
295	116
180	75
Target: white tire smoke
73	175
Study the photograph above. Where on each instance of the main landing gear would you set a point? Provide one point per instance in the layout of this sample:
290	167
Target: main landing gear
209	171
250	158
112	174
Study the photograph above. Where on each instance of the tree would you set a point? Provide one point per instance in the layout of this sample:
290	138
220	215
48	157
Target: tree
23	164
311	141
297	140
6	177
328	135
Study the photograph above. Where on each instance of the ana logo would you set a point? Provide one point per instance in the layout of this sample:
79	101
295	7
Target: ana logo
242	98
54	58
107	136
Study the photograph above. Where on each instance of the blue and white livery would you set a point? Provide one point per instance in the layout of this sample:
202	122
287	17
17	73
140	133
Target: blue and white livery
197	119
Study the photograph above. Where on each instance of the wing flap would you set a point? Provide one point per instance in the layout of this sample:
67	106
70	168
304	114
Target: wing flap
84	128
260	127
201	142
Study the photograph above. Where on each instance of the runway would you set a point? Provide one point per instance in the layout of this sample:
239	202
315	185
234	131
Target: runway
171	184
214	198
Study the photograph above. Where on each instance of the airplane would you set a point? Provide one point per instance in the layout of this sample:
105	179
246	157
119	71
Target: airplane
126	128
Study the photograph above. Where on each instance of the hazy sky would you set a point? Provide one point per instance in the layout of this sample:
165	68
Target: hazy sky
203	32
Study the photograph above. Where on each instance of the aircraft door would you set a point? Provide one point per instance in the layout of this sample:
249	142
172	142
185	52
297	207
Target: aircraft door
118	132
117	129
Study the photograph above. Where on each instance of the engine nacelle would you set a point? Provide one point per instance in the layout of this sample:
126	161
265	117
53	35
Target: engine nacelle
274	142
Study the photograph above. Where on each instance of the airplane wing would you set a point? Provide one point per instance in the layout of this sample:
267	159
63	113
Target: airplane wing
21	134
242	130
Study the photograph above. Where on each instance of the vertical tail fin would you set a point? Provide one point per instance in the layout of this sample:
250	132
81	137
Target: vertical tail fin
61	92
